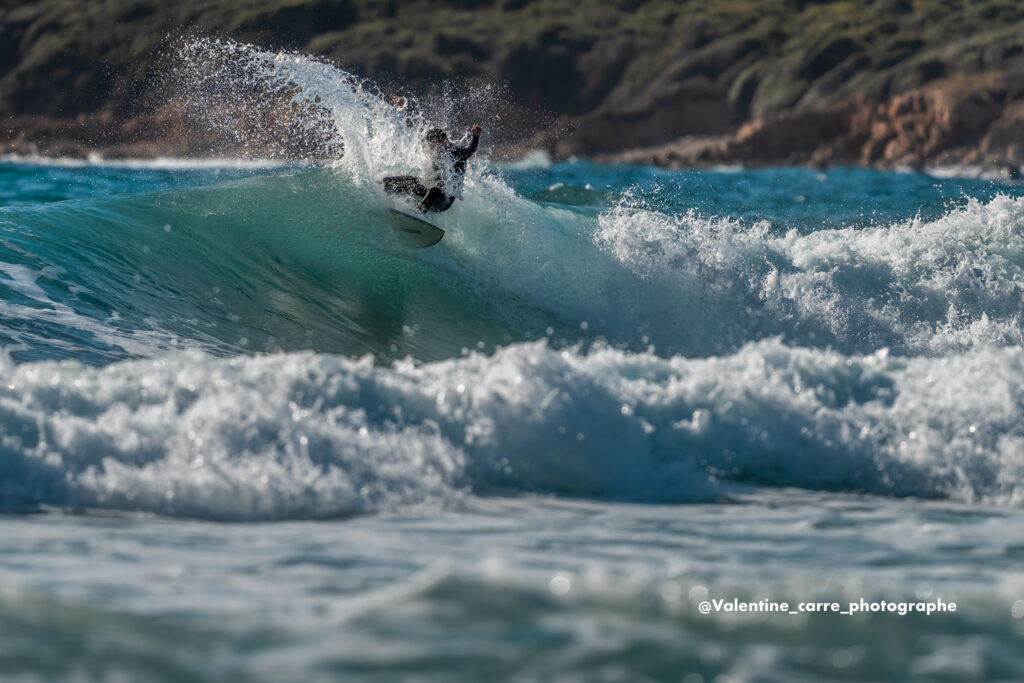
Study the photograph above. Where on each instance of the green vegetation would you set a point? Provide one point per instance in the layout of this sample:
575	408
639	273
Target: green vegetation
619	72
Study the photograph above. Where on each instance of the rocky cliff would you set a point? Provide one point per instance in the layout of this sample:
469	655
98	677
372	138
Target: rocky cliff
888	82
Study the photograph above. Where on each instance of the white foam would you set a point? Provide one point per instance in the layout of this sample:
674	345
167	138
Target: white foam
535	158
95	160
916	286
305	435
966	171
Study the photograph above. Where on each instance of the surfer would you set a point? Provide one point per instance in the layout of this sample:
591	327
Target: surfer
449	172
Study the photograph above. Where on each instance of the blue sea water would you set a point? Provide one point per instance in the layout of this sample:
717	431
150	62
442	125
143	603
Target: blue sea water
246	433
248	437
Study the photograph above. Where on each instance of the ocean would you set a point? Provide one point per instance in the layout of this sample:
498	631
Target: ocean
249	434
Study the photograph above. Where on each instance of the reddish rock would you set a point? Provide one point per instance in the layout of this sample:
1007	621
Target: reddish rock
960	120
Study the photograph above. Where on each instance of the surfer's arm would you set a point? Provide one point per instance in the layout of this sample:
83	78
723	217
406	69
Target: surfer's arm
464	153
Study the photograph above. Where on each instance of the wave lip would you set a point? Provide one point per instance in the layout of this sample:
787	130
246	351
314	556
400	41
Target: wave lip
310	436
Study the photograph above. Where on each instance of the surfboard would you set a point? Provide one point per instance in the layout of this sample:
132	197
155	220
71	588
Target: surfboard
416	230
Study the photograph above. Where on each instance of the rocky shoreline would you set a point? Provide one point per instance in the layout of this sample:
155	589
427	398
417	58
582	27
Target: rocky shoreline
917	130
965	121
960	122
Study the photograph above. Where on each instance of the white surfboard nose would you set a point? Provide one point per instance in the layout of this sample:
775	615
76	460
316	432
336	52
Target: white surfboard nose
417	231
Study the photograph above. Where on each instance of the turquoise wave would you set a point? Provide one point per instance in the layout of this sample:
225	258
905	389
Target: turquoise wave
298	260
309	259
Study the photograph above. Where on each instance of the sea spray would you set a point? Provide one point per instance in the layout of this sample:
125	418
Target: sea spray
295	106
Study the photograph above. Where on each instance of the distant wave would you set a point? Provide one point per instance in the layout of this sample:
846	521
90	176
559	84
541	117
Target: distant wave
158	163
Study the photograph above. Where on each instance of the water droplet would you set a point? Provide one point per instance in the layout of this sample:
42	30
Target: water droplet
671	592
560	584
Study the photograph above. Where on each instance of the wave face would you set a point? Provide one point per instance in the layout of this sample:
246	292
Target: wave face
306	259
292	261
257	343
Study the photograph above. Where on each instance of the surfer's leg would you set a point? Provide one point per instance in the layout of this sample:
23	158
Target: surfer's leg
404	184
435	200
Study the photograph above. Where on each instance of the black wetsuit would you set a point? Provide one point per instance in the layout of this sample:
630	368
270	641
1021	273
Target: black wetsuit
434	198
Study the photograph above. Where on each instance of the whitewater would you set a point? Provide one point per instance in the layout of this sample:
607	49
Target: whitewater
247	433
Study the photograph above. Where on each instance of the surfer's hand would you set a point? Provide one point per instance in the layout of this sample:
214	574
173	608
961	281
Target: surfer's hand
476	130
396	101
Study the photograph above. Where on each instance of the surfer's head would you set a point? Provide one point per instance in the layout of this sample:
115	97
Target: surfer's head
437	137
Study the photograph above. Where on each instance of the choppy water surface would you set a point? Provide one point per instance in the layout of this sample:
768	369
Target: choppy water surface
247	434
